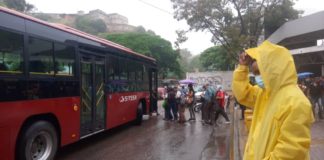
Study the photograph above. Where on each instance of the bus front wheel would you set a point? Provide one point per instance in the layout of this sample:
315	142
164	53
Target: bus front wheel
38	141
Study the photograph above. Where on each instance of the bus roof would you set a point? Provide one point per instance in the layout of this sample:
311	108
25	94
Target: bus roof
74	31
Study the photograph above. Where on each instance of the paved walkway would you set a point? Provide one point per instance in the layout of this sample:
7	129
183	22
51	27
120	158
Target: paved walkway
240	135
317	144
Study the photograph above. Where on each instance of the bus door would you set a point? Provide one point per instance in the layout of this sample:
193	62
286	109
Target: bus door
92	95
153	87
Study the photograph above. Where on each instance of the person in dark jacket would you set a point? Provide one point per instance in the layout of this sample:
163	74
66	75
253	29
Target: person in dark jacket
172	104
315	95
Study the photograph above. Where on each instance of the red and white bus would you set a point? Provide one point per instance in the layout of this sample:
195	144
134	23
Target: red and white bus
59	85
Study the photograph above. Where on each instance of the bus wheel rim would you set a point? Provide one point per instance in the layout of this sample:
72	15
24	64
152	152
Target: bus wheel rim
41	146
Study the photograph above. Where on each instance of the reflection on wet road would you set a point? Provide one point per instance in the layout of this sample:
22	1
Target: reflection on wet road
218	145
155	139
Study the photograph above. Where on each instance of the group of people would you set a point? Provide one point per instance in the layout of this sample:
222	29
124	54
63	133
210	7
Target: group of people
175	102
214	102
313	88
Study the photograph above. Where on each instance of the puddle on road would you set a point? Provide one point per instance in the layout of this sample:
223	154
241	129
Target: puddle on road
218	146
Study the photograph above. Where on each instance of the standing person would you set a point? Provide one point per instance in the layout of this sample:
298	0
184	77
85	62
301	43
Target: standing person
167	108
207	108
154	102
227	102
303	87
243	108
321	83
220	104
203	105
165	92
282	115
315	95
181	96
190	102
172	103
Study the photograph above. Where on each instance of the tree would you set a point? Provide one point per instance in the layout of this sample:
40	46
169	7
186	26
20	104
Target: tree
181	38
19	5
215	58
150	32
234	24
195	64
140	29
44	17
184	59
89	25
2	3
153	46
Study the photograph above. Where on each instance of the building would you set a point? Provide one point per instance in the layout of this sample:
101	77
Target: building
304	37
115	22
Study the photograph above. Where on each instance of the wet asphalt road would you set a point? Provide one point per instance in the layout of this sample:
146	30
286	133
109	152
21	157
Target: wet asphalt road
155	139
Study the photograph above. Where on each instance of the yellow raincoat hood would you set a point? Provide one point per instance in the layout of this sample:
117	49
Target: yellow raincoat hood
276	65
282	115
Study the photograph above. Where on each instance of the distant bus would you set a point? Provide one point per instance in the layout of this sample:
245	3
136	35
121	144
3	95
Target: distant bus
59	85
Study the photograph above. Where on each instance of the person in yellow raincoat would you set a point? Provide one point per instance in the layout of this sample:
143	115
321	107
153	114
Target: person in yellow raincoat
282	115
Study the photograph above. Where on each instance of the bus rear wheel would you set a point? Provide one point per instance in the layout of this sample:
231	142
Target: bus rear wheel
39	141
139	114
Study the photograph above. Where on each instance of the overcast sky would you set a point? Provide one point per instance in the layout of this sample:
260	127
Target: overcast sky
152	14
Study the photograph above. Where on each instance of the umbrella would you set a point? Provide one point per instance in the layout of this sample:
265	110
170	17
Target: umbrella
304	74
187	81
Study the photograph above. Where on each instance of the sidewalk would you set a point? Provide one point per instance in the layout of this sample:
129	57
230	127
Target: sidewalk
317	145
240	135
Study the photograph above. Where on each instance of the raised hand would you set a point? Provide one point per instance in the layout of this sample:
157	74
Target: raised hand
245	59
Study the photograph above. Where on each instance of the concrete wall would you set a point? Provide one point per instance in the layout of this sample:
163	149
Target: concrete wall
223	78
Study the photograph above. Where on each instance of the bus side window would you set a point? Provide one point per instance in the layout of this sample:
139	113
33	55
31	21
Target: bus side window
123	69
11	49
145	78
64	60
109	87
139	77
112	74
131	75
41	60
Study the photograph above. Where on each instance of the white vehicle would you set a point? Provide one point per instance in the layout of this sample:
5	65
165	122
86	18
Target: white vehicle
199	92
